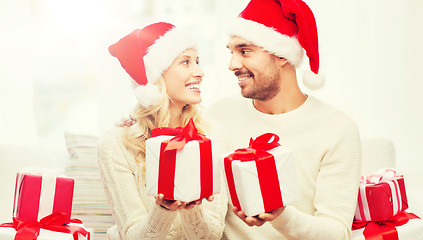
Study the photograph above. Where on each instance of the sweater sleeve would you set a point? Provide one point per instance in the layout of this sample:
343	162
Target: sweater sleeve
335	194
206	221
132	218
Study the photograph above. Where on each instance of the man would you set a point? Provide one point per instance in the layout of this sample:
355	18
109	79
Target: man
267	42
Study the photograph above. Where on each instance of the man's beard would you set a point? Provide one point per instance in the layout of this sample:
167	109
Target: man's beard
264	87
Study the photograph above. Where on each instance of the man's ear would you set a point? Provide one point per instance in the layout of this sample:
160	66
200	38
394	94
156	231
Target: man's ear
281	61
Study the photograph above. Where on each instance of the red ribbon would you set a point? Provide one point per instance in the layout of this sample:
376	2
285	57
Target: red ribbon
266	170
167	161
53	222
383	230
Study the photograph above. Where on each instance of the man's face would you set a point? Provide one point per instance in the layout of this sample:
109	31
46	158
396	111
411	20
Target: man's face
257	71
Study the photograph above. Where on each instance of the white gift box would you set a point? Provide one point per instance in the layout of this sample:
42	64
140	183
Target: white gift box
246	181
187	181
8	233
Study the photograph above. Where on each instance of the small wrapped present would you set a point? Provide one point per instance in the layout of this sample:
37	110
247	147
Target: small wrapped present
403	226
38	195
262	177
51	227
381	196
180	164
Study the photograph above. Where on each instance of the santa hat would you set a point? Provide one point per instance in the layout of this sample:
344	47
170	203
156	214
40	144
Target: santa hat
283	28
145	54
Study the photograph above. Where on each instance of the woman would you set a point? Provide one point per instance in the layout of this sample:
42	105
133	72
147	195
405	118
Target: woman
163	62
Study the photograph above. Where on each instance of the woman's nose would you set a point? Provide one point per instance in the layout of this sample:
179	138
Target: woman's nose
198	72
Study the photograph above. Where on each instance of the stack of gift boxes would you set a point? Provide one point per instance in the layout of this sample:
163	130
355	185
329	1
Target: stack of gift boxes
381	209
42	209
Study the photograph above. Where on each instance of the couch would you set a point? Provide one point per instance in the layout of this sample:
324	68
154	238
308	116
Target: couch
77	158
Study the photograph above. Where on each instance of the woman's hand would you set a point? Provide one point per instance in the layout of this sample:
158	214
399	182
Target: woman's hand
260	219
173	205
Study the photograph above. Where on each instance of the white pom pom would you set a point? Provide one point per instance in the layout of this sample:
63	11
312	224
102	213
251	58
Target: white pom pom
313	81
148	94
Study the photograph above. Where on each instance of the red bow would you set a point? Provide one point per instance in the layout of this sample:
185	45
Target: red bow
257	147
262	142
383	230
182	135
53	222
167	159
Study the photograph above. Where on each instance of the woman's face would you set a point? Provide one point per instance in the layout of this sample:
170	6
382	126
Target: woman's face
183	79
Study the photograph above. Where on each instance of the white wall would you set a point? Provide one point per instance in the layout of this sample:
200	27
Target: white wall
16	87
370	54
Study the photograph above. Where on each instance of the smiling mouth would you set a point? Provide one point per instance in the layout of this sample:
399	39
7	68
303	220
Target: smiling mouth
242	80
193	86
243	76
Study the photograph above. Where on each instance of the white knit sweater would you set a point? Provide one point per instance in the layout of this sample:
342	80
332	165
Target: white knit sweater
136	214
327	153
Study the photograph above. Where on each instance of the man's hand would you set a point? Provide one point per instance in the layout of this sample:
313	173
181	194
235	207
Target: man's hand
260	219
173	205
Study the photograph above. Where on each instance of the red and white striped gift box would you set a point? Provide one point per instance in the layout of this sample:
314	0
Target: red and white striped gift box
381	196
180	164
39	195
262	177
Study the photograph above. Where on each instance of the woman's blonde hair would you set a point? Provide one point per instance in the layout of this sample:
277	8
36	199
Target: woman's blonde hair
148	118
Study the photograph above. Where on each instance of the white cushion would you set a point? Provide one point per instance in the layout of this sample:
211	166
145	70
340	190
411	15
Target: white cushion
14	158
377	153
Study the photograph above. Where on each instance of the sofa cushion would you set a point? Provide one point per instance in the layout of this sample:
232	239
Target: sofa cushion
377	153
14	158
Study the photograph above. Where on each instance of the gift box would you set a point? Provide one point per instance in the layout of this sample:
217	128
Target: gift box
381	196
404	226
49	228
262	177
180	164
39	195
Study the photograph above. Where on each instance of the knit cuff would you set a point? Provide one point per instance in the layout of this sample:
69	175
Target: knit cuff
193	215
161	218
285	218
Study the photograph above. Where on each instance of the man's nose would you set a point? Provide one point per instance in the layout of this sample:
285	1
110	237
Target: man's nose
235	63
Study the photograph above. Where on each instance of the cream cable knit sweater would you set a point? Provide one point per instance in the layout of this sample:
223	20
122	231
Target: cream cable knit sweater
136	214
327	153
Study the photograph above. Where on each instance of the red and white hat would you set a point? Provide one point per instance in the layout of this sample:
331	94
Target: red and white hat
283	28
145	54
